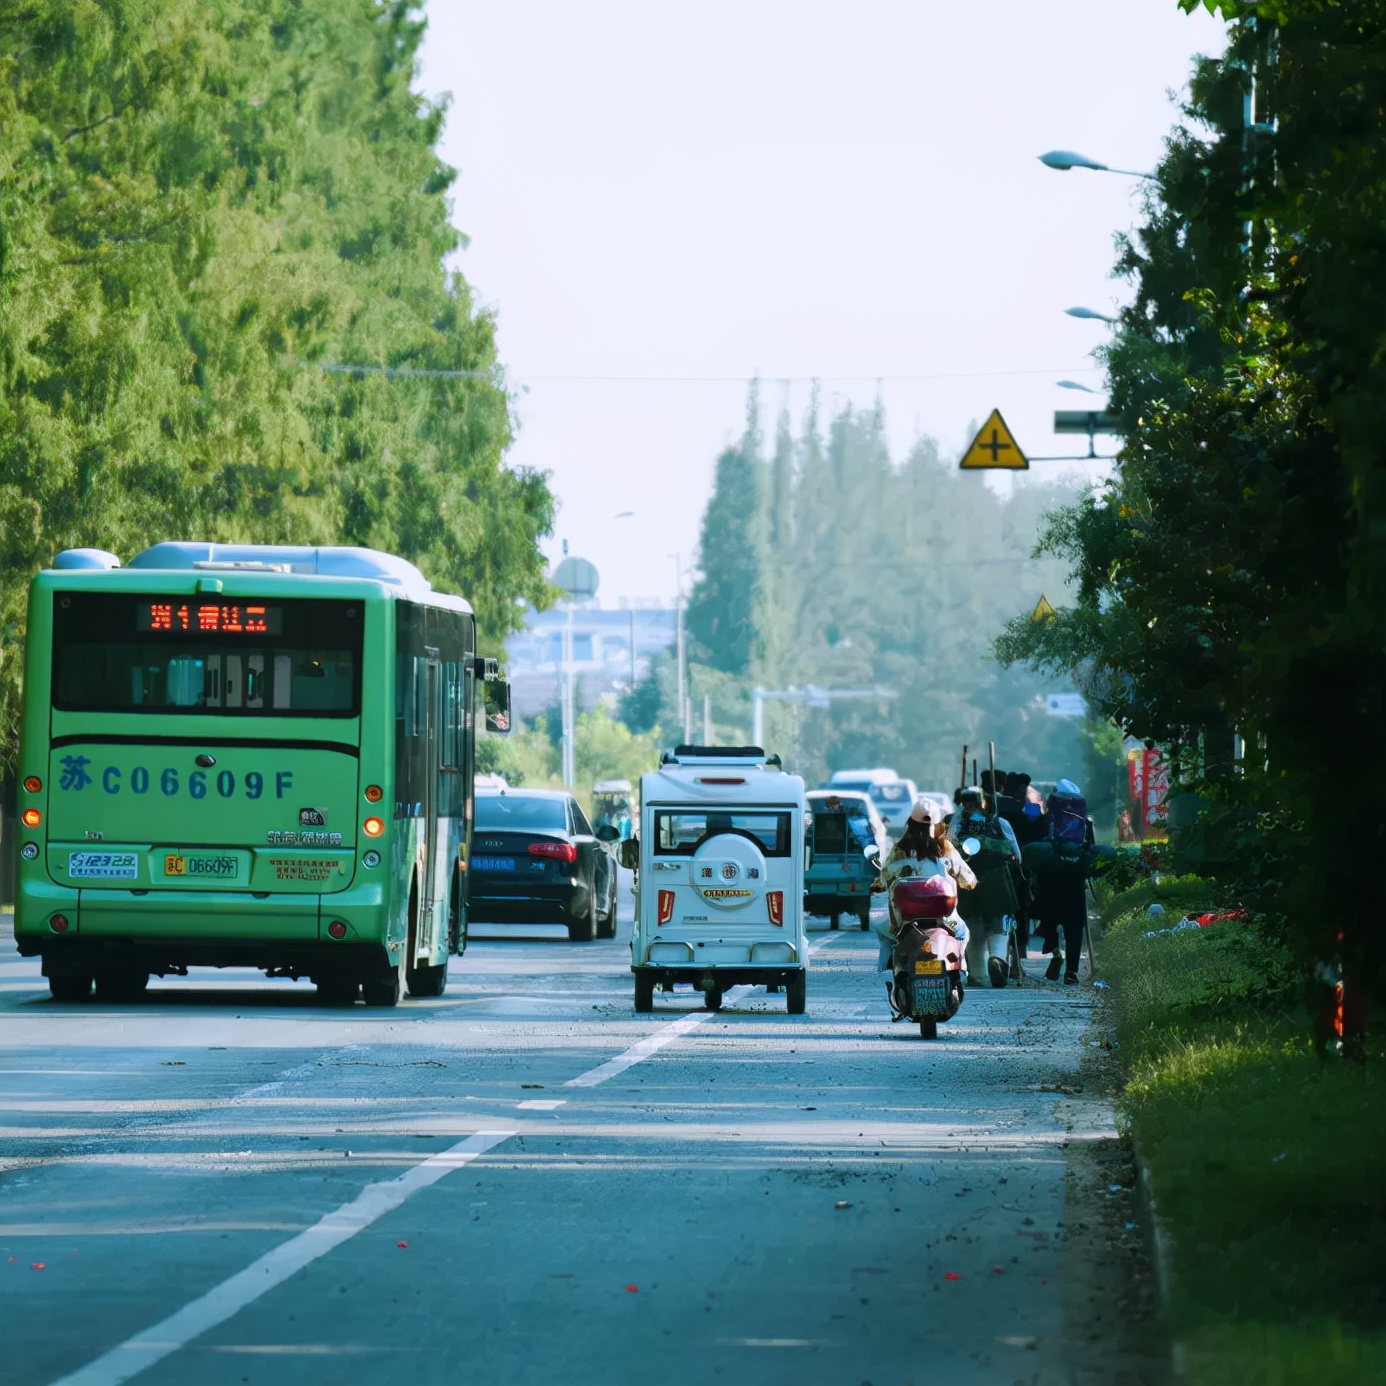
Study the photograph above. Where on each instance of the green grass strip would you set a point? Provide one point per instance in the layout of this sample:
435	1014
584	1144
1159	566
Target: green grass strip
1267	1162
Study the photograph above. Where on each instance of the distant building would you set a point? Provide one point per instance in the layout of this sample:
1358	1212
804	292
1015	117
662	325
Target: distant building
611	649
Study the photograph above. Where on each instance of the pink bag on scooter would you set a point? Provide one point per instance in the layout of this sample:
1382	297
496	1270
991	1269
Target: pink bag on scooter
926	897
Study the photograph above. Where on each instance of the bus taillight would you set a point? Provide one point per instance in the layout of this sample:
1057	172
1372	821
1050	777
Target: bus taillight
337	929
32	784
374	794
31	818
58	923
373	827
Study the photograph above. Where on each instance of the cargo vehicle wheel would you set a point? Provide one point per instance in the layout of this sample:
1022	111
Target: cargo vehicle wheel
644	992
584	930
928	1029
121	984
385	988
70	986
712	999
864	914
796	993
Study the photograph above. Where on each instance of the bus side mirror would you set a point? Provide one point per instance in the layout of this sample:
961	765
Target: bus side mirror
496	696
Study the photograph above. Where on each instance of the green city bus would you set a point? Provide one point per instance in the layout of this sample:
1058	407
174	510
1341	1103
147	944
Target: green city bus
247	756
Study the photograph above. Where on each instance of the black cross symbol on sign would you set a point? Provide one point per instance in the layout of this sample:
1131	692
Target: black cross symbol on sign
995	445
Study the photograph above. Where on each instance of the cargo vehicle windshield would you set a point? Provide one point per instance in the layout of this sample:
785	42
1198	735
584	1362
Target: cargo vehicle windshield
232	656
680	832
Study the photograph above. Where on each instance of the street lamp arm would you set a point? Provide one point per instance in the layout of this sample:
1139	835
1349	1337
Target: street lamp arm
1065	159
1091	313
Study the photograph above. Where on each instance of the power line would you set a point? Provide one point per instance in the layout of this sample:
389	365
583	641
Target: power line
390	372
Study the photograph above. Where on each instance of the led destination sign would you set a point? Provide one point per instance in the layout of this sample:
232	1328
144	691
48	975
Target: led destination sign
210	618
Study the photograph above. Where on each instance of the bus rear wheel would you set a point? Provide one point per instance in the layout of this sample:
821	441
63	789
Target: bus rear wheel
338	991
428	981
70	986
385	988
121	983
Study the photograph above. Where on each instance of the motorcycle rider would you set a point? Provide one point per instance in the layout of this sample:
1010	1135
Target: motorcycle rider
923	850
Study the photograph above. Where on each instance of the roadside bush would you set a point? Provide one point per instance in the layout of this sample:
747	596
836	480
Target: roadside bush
1264	1163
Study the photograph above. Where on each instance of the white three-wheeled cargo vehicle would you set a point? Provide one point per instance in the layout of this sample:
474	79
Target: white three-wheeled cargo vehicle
720	900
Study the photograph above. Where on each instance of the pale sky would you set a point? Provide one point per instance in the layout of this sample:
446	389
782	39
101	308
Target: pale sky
665	199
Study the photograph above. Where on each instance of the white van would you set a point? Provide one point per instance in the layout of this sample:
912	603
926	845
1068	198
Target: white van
721	884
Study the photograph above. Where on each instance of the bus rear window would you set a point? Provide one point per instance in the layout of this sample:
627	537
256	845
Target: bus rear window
271	657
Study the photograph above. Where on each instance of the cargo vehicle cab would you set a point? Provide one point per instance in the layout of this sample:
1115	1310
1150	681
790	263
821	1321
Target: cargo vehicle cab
721	877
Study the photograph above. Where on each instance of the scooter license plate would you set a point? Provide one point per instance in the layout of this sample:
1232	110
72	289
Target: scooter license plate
928	967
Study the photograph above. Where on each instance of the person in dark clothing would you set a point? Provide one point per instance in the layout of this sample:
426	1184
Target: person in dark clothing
1060	885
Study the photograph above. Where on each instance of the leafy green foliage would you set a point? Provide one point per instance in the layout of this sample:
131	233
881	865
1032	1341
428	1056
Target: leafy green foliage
203	205
1234	573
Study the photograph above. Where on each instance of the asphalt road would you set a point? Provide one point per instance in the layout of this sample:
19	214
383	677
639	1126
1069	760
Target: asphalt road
523	1181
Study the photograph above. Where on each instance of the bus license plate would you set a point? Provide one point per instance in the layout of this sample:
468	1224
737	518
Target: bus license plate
928	967
207	866
493	863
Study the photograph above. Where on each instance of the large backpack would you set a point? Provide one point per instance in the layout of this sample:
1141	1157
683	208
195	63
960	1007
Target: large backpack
1068	819
1067	852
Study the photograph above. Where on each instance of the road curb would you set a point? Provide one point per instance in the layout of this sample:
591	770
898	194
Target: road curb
1161	1241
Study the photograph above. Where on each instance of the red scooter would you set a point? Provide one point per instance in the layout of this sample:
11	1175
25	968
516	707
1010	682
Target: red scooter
927	961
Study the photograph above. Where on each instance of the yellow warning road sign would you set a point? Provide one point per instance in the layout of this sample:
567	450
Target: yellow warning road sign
994	446
1043	611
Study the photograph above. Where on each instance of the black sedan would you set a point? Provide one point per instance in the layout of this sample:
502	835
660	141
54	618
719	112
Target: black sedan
536	860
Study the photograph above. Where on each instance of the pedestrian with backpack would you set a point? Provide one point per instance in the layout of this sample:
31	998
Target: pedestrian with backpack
1060	867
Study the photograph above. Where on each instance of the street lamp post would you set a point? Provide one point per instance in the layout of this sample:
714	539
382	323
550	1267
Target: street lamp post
681	651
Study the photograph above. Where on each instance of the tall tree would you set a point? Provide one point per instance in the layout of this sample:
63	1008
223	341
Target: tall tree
206	208
1234	574
726	599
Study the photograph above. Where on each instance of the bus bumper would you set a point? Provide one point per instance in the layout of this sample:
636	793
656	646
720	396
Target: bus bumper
285	934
